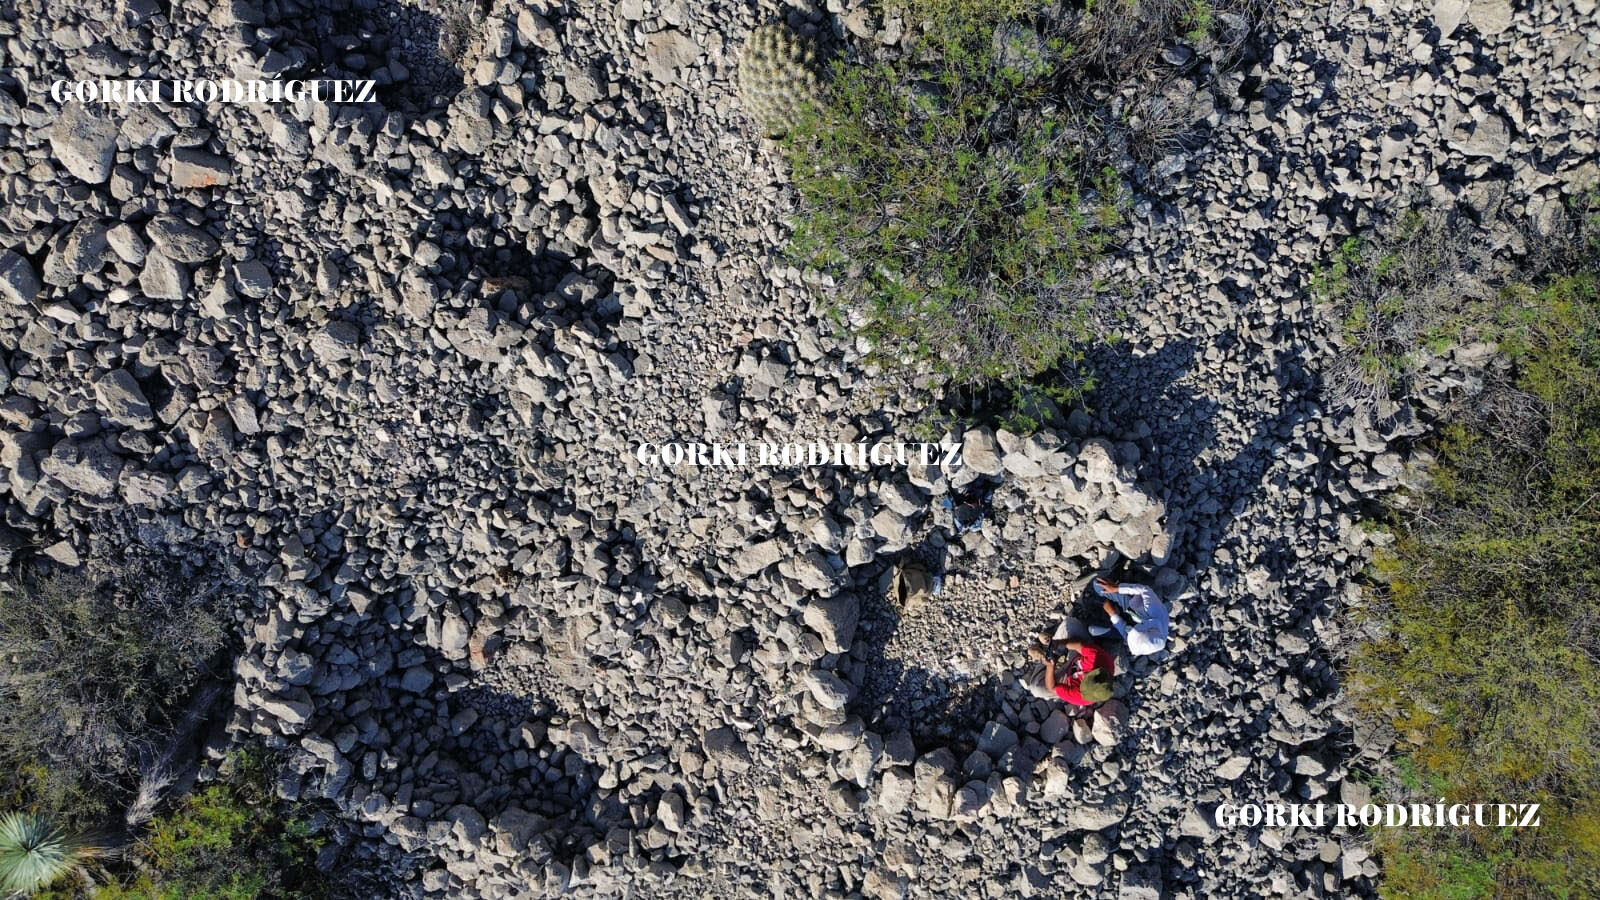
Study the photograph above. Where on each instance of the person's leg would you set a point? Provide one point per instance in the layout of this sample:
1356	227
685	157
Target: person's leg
1117	625
1050	640
1069	630
1033	680
1073	629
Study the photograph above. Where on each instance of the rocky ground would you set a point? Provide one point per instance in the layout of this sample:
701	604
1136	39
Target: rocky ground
395	358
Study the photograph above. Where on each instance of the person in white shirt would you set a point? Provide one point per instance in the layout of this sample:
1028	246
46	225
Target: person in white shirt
1138	603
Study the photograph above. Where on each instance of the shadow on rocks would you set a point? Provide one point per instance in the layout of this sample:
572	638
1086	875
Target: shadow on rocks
474	259
414	51
1148	388
1169	426
404	741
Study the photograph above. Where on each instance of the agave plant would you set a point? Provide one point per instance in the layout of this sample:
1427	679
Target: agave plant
35	852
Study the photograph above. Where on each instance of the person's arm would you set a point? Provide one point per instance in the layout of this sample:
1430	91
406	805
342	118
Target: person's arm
1139	598
1116	619
1119	625
1050	675
1082	661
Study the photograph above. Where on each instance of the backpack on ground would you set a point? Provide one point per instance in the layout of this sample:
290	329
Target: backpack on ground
912	585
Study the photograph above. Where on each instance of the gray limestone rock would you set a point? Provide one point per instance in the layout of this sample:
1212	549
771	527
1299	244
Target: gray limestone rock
164	279
288	710
996	739
416	680
143	488
1448	15
1140	883
181	241
123	399
87	467
81	251
126	243
828	689
724	746
980	453
1233	767
84	140
1490	138
669	809
1110	723
335	341
667	53
64	553
755	558
892	527
196	169
896	789
1490	17
1098	816
253	278
1097	462
1055	727
210	432
19	284
834	620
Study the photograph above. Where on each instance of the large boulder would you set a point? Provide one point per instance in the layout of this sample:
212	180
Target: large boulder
123	400
85	142
834	621
1110	723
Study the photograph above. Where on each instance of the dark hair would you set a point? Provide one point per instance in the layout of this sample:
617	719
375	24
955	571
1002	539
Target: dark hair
1126	570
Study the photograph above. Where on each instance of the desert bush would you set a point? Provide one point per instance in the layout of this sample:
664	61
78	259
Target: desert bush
1423	283
962	192
1487	661
231	840
97	665
1400	296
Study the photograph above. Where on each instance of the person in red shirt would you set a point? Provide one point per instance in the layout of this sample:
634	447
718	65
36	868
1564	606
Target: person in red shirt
1088	679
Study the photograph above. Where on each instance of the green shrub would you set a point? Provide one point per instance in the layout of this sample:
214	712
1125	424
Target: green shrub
1425	282
98	663
1488	660
956	205
962	192
232	839
1400	297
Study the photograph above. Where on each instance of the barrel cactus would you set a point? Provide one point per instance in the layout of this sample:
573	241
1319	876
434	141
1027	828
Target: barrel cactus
779	78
